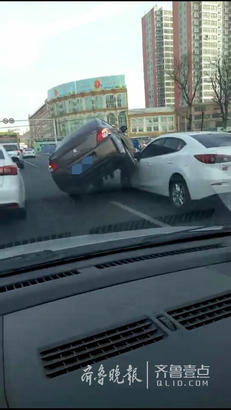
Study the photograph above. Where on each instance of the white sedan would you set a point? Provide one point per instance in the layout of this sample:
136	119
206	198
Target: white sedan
185	166
12	189
29	153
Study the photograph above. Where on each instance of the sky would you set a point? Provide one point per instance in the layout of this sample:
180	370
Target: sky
44	44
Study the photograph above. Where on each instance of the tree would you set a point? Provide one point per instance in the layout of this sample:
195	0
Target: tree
220	79
187	81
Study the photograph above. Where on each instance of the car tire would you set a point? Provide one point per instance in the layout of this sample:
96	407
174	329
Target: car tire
179	194
75	196
20	164
98	184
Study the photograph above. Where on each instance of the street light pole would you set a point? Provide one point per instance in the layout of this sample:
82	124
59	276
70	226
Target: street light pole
55	135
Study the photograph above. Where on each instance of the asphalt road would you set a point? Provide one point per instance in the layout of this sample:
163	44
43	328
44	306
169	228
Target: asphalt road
52	212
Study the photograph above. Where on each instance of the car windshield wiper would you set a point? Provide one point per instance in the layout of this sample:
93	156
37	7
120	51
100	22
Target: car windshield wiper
47	258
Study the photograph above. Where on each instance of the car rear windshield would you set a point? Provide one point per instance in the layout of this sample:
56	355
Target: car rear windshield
1	154
10	147
213	140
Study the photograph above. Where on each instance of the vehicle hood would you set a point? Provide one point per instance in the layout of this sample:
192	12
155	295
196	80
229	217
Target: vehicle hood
61	244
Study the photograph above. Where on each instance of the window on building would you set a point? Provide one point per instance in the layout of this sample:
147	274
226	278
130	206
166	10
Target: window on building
99	102
111	119
110	101
88	103
122	119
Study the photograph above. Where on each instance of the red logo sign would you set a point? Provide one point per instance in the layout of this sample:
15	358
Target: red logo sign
97	84
55	92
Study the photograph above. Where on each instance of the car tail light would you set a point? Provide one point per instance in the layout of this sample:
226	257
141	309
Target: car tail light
19	152
213	158
53	166
9	170
102	133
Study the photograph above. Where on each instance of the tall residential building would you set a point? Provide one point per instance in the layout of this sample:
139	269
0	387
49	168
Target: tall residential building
157	34
201	30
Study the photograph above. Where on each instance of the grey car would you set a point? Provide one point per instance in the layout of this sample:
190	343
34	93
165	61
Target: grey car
89	154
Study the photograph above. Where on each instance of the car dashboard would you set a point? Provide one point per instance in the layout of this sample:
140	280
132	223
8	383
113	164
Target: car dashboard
124	330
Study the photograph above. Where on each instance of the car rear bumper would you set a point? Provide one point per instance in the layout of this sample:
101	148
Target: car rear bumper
209	187
69	182
12	191
9	197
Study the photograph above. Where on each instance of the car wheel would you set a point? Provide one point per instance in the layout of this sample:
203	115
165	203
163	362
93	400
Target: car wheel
75	196
20	164
99	183
179	194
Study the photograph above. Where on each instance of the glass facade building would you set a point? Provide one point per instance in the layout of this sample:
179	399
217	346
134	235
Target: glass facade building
75	103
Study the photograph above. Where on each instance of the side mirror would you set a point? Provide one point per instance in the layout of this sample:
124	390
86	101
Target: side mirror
15	159
123	128
137	155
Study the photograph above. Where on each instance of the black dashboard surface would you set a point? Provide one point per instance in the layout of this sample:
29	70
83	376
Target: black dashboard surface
180	320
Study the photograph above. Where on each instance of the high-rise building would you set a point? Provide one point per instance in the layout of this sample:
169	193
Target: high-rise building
157	34
201	30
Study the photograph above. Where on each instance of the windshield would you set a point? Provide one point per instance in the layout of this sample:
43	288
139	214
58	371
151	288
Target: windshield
123	128
10	147
213	140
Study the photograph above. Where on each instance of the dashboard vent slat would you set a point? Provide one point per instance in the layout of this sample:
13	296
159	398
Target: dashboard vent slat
77	354
156	255
37	281
34	240
204	312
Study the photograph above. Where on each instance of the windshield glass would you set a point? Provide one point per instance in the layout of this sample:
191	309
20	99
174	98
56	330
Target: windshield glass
213	140
10	147
122	129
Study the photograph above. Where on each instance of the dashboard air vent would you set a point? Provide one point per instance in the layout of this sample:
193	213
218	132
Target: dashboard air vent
204	312
156	255
34	240
36	281
76	354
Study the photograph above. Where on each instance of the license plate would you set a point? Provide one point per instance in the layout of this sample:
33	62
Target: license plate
82	166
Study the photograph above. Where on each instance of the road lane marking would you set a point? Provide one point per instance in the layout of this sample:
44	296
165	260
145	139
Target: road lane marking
33	165
140	214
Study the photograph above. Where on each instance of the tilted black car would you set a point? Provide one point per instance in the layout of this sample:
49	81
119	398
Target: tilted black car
88	155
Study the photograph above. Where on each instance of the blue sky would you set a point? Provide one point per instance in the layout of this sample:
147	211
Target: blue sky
44	44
